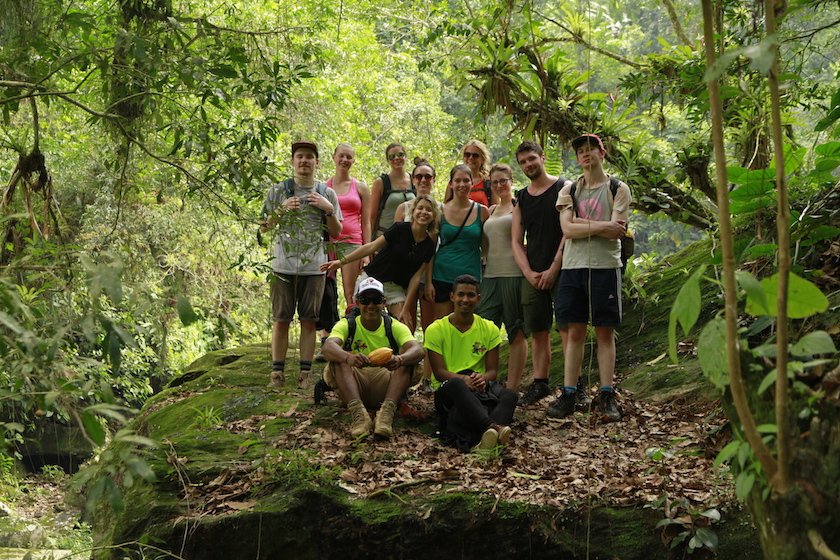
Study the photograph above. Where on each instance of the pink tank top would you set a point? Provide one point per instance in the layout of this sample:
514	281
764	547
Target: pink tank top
351	210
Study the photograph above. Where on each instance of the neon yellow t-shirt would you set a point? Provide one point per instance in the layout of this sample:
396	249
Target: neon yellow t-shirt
462	350
365	341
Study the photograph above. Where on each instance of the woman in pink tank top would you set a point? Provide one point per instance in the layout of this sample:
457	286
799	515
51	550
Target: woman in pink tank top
354	200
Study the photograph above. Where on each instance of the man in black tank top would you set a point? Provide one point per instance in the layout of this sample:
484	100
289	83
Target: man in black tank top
536	218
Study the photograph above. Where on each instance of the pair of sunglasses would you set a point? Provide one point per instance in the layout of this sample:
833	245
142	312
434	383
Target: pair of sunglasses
367	300
471	155
421	176
396	155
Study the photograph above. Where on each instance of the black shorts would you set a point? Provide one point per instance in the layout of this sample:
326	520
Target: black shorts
572	301
442	291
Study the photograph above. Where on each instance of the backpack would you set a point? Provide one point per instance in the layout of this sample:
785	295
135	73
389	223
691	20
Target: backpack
628	242
387	188
321	387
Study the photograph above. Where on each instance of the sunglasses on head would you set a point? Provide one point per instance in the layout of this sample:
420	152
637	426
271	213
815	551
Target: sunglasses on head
421	176
471	154
371	299
396	155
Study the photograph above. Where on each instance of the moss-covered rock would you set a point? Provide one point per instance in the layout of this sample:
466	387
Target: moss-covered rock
233	481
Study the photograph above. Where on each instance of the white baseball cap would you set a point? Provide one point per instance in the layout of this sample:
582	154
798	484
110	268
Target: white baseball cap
368	284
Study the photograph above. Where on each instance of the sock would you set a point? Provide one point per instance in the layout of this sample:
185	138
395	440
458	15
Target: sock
305	366
569	389
541	381
607	389
278	365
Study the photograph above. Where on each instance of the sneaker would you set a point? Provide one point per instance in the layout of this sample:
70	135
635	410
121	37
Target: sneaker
276	379
489	440
504	434
535	392
362	423
608	406
385	419
582	398
562	407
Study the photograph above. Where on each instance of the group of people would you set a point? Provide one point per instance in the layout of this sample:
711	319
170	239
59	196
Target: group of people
483	258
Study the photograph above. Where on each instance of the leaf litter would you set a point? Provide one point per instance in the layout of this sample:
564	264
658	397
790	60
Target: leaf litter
655	451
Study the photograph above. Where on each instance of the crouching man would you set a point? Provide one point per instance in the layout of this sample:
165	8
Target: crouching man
353	350
463	349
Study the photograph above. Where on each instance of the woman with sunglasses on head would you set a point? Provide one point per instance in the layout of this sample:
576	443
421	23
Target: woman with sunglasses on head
354	200
459	251
402	253
502	281
389	190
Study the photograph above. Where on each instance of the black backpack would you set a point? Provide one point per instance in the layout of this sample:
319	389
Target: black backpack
628	243
351	329
387	188
321	387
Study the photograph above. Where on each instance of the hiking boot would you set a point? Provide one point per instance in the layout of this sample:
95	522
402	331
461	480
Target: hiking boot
535	392
385	419
582	398
276	379
304	379
362	423
489	440
563	406
608	406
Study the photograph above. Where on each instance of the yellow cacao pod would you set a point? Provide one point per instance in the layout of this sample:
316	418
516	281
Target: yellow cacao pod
380	356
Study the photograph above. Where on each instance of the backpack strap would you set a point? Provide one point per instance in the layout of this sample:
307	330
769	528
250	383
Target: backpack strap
351	333
614	184
488	192
389	332
572	192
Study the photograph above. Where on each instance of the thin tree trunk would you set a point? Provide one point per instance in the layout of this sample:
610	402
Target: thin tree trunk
783	437
736	382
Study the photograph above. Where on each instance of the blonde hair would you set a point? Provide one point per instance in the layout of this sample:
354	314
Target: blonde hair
485	155
432	228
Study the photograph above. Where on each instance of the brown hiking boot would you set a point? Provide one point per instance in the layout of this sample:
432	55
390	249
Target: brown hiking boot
276	379
361	419
385	419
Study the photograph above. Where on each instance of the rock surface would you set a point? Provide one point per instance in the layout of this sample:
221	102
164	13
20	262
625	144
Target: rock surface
249	471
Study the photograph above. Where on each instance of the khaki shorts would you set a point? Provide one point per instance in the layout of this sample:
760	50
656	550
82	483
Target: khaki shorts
373	382
289	292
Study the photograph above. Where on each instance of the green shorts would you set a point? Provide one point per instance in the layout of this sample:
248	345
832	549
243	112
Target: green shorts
501	303
537	308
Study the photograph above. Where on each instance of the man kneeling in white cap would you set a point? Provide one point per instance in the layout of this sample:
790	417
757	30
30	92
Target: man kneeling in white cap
354	343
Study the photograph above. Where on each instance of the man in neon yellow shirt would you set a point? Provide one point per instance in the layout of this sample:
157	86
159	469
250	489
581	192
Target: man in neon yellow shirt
463	351
361	385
